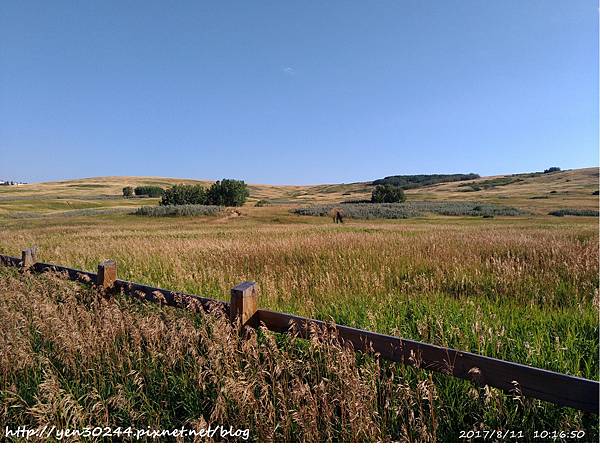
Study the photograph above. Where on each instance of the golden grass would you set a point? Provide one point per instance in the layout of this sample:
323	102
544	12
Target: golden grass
371	275
540	194
523	289
74	359
573	188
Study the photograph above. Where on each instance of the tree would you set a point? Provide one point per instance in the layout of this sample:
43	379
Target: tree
184	194
552	169
150	191
222	193
387	193
227	193
415	181
128	191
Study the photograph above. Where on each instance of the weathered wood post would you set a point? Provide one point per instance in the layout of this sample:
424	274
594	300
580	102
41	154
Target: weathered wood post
244	303
28	258
107	274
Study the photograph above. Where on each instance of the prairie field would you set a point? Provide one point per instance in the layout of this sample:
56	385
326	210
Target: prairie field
522	288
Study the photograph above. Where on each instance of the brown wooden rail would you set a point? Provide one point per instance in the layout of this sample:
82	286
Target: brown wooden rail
514	378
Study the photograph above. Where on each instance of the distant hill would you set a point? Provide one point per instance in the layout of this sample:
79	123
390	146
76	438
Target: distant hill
539	192
416	181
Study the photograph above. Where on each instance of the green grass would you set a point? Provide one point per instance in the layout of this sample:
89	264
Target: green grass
142	369
522	288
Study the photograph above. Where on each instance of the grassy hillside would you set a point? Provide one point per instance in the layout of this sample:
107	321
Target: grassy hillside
106	192
538	194
541	193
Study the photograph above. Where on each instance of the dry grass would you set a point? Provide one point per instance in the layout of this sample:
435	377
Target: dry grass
73	359
521	289
540	194
107	192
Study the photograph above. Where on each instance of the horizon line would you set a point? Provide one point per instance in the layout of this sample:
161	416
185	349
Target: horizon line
276	184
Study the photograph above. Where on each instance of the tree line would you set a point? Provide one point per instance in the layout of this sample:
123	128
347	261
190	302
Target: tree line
415	181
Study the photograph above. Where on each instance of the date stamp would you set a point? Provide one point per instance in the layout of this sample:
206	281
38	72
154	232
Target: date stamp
491	435
520	435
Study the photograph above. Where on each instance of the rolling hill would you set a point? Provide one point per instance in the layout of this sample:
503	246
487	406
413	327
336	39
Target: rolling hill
538	193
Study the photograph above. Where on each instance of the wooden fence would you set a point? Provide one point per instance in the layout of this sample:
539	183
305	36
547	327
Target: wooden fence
514	378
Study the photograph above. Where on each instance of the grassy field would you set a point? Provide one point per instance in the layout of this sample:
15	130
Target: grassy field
519	288
539	194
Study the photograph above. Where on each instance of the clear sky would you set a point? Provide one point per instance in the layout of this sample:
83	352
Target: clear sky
295	92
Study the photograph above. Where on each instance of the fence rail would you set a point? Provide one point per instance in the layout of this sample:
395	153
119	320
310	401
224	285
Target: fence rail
554	387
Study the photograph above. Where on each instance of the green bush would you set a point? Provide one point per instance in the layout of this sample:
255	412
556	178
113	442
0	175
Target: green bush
574	212
552	169
128	191
261	203
387	193
184	194
488	184
222	193
415	181
227	193
150	191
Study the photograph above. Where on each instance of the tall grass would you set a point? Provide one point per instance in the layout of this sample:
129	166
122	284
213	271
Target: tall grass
524	290
73	358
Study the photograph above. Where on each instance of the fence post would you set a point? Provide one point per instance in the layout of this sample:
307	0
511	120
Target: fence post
107	273
244	303
28	257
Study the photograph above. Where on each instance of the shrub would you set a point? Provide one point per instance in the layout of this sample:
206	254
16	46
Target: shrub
387	193
470	188
488	184
552	169
184	194
574	212
178	210
409	209
150	191
227	193
127	191
356	201
261	203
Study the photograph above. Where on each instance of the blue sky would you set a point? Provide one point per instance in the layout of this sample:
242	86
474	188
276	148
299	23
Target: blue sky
295	92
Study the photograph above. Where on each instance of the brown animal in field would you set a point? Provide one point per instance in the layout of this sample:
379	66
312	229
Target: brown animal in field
338	215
